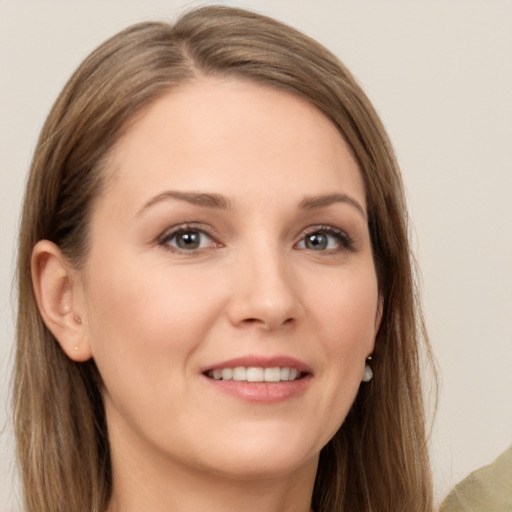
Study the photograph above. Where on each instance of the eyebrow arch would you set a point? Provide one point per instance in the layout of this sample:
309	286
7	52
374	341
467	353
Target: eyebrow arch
196	198
326	200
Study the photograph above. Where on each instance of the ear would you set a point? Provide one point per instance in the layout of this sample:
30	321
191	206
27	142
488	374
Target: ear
57	295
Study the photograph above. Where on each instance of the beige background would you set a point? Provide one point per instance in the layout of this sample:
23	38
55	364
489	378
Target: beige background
440	74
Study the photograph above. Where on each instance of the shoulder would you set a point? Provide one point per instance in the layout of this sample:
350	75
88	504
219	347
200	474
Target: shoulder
488	488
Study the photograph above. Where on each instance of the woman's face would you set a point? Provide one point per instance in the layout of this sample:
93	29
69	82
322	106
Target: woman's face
230	245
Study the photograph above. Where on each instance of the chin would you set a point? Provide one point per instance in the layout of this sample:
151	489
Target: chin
262	458
243	469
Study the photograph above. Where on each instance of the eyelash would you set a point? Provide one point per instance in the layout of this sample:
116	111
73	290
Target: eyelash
165	239
341	237
344	241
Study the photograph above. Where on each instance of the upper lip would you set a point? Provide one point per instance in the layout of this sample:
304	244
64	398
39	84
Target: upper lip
260	361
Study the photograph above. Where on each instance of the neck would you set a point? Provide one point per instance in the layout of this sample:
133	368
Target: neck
153	485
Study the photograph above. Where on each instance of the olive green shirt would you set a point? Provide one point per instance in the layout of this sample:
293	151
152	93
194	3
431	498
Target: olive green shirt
488	489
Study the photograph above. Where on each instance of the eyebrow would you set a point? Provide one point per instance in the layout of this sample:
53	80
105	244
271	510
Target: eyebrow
196	198
217	201
326	200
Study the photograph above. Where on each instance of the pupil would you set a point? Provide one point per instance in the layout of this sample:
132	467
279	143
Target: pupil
316	241
189	240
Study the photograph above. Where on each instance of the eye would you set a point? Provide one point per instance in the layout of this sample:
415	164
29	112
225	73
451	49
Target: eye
325	239
187	239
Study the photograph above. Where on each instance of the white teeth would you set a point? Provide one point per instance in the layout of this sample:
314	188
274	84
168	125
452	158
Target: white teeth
255	374
239	373
272	374
227	373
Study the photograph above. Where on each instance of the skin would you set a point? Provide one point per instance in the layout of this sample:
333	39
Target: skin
154	316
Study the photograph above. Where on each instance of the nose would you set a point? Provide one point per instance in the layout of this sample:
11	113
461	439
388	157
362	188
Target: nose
264	291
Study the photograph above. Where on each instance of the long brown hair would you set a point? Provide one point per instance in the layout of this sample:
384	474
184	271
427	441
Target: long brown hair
378	460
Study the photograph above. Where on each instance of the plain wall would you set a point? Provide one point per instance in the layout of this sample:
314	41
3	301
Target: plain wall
440	75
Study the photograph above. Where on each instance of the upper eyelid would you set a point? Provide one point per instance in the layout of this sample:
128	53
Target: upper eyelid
344	239
186	226
173	231
328	228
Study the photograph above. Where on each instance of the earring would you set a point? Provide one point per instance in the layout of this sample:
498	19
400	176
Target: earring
75	349
368	372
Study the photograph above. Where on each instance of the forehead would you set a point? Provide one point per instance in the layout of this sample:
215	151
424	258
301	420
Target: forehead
234	137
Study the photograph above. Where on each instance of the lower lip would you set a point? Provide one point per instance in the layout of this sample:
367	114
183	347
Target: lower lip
262	392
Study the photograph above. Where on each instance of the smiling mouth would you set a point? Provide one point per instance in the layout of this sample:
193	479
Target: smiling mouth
256	374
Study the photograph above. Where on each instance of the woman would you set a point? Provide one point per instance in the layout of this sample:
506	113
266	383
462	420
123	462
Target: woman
213	263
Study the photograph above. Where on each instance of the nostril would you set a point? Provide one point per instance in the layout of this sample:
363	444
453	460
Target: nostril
251	321
260	321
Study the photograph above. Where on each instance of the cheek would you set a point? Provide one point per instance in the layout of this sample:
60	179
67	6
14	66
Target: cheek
144	324
346	326
347	310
